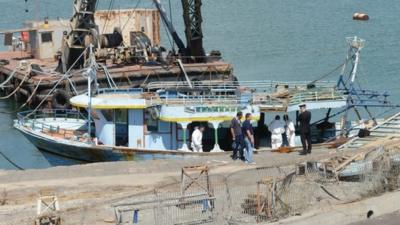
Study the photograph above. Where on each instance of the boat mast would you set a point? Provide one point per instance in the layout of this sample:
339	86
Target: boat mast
355	45
91	71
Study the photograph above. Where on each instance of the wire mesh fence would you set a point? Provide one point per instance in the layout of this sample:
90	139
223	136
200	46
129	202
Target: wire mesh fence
263	195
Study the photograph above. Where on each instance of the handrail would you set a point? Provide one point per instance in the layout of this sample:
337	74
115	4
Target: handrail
316	96
29	114
32	117
264	84
123	90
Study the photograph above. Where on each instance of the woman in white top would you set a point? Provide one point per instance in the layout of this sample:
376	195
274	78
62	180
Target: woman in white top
290	130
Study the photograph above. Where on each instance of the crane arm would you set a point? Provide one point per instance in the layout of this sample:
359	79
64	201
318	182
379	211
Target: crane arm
178	41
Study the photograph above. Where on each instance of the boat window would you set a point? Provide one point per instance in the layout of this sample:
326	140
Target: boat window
47	37
152	124
108	115
121	116
121	127
8	39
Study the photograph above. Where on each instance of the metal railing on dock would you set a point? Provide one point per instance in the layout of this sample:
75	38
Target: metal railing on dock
268	194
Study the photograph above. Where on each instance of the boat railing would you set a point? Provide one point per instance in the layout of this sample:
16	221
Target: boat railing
241	99
317	95
265	85
38	120
120	91
256	98
197	100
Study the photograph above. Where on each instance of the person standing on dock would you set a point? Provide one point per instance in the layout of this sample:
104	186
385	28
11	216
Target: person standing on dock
305	129
197	139
289	131
248	133
277	128
237	136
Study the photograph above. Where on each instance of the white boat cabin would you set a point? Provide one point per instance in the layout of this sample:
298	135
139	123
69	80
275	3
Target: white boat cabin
161	120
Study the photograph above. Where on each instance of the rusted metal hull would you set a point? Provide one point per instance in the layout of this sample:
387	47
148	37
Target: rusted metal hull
124	76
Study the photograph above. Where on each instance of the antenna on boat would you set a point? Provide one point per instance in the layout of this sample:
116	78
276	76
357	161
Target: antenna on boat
90	72
355	46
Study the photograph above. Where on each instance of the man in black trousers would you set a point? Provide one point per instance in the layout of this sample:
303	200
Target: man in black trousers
305	130
237	136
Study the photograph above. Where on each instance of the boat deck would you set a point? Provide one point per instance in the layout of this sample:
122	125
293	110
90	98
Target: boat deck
227	93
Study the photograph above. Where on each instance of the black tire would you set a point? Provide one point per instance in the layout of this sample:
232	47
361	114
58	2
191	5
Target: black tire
60	100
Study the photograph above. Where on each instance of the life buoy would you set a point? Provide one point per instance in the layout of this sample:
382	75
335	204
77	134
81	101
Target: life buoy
60	100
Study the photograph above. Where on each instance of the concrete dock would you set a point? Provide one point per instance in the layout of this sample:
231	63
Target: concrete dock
86	192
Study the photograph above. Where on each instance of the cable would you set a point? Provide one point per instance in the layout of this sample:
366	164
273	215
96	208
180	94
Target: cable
57	83
9	78
110	7
10	161
329	73
130	17
16	89
169	38
27	101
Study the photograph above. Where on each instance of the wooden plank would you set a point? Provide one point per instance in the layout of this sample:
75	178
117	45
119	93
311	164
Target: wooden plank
348	161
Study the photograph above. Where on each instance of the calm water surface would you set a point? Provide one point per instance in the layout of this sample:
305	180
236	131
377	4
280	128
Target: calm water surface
264	39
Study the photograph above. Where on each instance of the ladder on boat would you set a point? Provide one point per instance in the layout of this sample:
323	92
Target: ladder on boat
389	128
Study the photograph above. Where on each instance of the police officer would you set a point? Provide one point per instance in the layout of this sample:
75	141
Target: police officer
305	129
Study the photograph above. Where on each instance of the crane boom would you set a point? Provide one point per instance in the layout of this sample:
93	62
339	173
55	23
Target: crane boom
82	24
178	41
193	29
83	28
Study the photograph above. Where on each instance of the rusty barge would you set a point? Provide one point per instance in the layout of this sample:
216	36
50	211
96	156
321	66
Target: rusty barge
33	69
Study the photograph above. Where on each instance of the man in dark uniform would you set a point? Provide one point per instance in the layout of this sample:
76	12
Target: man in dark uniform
305	130
237	136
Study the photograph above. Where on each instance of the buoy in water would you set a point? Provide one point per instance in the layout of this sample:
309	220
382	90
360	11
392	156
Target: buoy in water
360	16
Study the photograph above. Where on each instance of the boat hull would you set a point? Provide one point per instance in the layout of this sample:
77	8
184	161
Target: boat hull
99	153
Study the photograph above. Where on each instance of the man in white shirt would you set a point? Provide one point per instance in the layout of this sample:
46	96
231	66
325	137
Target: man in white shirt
290	131
277	128
197	138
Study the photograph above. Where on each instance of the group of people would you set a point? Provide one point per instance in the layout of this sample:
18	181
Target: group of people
243	138
282	134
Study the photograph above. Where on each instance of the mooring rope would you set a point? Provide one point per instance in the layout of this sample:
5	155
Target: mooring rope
45	98
65	76
16	89
9	78
26	102
10	161
31	96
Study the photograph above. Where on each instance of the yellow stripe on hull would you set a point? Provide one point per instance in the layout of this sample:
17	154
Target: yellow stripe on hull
201	119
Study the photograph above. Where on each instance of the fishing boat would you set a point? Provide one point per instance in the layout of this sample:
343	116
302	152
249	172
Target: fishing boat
135	124
155	122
